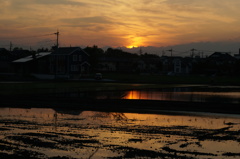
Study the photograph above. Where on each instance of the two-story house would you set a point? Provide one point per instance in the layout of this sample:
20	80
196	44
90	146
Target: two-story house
69	62
220	63
176	65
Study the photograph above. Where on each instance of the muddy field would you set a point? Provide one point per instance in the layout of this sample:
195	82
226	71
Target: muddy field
60	134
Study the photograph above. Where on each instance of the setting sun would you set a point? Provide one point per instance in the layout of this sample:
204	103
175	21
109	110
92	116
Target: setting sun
131	46
134	42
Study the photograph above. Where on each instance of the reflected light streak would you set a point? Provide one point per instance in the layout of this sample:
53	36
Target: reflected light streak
181	96
136	95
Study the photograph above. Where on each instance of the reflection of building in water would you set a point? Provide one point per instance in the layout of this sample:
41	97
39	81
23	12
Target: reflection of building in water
55	120
119	117
62	112
69	112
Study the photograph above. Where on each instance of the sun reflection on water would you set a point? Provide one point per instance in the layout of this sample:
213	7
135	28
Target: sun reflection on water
183	96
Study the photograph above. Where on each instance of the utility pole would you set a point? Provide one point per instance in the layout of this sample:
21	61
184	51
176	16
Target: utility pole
57	33
171	50
140	51
10	47
193	52
202	54
55	59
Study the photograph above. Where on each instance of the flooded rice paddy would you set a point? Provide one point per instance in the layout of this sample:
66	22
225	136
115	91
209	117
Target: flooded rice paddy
52	134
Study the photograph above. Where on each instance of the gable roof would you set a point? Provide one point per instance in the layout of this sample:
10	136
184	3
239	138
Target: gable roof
221	55
30	58
67	51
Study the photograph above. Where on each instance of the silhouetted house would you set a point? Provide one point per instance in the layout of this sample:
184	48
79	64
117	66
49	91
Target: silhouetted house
220	62
219	58
176	65
69	62
167	65
34	64
140	65
182	65
114	64
237	56
6	59
107	64
149	65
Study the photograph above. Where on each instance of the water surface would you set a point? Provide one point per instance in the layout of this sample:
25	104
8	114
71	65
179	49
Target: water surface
227	94
49	133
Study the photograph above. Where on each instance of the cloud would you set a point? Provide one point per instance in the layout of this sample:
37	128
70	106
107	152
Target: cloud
88	20
47	2
94	24
154	22
202	48
58	2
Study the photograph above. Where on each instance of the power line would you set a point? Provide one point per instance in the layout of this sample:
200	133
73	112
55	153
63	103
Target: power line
26	37
17	40
4	45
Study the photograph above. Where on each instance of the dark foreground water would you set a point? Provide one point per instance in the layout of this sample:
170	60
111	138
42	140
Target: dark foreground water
48	133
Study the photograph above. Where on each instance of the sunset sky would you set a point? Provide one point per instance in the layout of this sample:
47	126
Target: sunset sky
118	23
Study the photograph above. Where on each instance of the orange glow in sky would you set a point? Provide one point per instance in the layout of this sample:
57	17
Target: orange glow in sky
135	42
132	23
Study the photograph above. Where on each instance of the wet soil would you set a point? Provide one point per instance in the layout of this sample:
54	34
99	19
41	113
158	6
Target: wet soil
21	139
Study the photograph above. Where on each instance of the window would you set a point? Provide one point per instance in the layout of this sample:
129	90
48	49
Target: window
80	57
74	67
75	57
177	62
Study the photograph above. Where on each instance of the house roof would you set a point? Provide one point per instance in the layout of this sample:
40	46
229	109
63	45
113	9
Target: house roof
3	49
67	50
30	58
221	55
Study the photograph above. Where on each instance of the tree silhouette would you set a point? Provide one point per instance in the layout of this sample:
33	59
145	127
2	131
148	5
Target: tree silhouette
94	54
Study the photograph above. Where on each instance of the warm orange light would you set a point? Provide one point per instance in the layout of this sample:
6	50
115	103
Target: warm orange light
136	95
131	46
135	42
